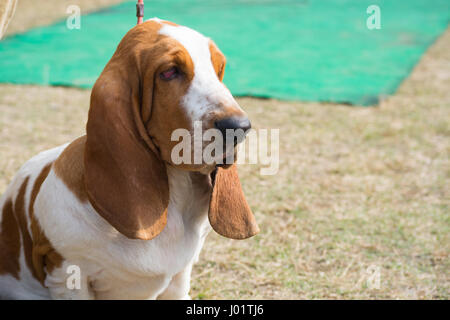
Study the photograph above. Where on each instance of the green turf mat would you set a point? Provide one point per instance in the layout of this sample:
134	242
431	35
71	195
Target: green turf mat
311	50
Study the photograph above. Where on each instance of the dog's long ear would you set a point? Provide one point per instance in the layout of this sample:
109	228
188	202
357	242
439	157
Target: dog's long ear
229	212
125	179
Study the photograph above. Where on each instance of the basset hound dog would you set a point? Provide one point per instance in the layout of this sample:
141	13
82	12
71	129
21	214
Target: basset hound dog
112	203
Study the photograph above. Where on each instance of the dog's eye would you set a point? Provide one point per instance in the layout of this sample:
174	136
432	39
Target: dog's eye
170	74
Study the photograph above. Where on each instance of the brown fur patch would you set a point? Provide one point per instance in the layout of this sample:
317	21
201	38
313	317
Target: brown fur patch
69	167
43	254
19	209
40	256
9	241
218	60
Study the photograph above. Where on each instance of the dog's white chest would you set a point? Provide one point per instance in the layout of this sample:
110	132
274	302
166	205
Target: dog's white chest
146	267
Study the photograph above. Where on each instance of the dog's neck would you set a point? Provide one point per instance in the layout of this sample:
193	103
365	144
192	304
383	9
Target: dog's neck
190	193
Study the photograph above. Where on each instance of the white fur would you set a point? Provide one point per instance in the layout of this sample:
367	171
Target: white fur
112	266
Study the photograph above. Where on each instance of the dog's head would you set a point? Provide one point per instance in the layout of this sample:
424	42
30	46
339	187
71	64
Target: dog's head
162	77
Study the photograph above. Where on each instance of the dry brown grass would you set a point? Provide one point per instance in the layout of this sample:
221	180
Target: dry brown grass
357	187
32	13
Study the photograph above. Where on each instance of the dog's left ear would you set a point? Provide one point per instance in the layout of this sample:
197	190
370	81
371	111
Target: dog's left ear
229	212
125	178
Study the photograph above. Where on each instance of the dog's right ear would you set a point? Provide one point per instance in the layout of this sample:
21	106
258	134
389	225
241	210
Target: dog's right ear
229	213
125	179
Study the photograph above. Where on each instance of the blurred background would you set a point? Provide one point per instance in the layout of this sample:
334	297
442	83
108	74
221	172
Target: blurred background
359	90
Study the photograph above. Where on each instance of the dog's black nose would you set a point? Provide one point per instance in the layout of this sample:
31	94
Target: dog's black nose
233	123
231	126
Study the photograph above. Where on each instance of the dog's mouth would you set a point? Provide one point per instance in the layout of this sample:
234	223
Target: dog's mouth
223	165
228	158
